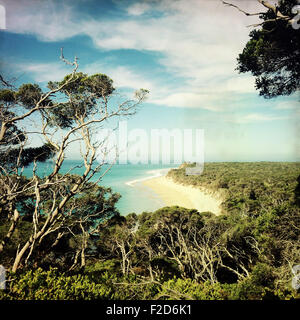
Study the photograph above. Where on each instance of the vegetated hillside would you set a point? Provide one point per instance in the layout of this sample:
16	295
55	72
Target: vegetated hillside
249	187
177	253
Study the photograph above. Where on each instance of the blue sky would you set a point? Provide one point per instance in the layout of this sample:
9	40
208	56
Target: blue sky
183	51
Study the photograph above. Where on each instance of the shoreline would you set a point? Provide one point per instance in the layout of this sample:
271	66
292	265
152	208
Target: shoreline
154	174
186	196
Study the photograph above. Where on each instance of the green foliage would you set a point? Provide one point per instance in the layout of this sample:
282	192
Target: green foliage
93	207
165	254
97	269
55	220
272	54
188	289
28	155
263	275
11	103
52	285
29	95
168	268
83	93
250	187
7	96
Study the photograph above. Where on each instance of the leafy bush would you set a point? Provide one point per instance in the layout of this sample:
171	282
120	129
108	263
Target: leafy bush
51	285
190	289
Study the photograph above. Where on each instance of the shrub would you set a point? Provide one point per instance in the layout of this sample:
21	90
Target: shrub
190	289
51	285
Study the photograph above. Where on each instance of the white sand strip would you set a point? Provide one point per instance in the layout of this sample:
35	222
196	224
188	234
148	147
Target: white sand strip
185	196
152	174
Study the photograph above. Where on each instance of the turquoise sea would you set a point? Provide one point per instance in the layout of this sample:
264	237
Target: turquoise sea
122	178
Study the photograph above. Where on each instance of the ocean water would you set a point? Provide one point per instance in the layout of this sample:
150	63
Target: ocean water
125	179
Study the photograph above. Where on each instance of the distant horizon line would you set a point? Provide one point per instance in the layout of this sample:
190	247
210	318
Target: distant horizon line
177	164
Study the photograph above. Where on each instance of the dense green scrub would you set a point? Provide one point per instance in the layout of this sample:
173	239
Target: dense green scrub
175	253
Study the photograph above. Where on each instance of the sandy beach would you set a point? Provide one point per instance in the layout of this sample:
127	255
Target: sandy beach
185	196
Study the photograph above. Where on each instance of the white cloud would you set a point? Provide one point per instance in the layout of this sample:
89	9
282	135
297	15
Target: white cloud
48	20
241	84
197	41
188	100
287	105
44	72
254	118
138	9
217	96
123	76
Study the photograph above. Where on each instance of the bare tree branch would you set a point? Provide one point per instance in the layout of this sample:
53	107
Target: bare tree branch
266	4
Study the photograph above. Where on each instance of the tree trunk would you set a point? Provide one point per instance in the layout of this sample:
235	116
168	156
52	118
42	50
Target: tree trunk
3	131
20	255
84	246
11	230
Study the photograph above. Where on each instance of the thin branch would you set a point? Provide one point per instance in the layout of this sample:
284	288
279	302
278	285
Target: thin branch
266	4
246	13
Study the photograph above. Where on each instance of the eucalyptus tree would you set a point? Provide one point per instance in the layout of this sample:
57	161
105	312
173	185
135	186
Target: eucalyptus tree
272	53
69	114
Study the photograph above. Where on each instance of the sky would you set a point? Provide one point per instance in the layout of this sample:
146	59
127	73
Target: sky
183	51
